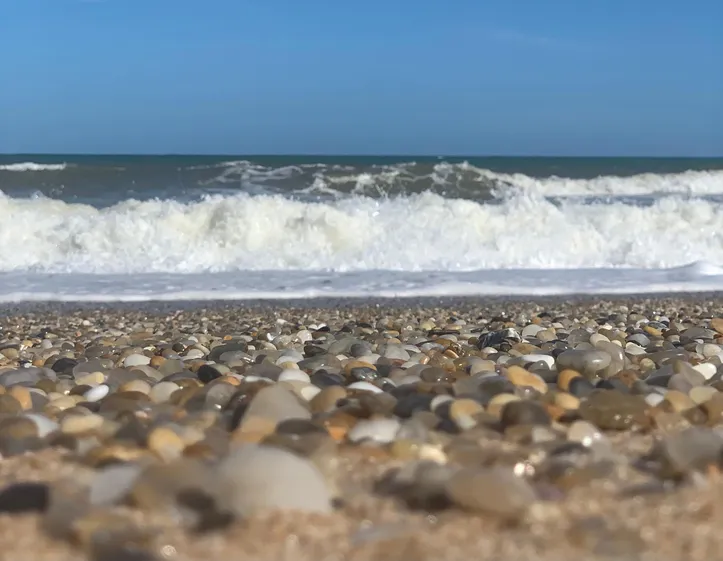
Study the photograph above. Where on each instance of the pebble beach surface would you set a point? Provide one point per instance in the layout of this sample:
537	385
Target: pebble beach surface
581	429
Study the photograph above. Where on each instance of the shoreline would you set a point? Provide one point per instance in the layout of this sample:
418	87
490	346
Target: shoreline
349	303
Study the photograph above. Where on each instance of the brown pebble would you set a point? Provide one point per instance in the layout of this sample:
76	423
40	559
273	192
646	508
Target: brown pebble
564	378
165	443
463	412
22	394
679	401
523	378
8	404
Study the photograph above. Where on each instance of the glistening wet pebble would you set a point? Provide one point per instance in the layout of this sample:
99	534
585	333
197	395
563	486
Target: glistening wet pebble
590	429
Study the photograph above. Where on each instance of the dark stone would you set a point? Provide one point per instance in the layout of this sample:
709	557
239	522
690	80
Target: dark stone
363	374
216	352
612	384
435	375
323	379
20	498
410	404
496	338
580	387
207	373
523	413
64	365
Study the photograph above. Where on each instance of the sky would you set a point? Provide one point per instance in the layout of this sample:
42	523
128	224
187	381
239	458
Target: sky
434	77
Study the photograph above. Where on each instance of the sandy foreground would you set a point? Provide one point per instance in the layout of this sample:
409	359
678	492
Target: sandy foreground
620	500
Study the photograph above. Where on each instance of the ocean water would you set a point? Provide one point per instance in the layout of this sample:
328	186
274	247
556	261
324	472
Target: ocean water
133	228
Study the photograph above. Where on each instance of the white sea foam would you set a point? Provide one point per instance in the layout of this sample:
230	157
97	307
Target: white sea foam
417	233
688	183
32	166
24	286
464	179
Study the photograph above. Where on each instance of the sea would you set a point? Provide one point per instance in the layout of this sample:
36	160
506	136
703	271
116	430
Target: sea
141	228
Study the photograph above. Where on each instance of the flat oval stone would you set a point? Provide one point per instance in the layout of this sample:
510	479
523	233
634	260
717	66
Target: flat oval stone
613	410
701	394
494	491
364	386
587	362
524	413
263	478
380	431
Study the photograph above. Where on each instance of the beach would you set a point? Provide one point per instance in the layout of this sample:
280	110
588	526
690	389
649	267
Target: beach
432	428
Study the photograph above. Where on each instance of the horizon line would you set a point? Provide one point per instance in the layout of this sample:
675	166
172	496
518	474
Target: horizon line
351	155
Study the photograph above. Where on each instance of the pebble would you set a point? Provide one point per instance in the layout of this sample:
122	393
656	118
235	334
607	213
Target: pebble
494	491
265	478
380	431
504	411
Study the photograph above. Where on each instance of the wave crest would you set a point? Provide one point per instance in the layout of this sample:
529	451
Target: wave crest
418	233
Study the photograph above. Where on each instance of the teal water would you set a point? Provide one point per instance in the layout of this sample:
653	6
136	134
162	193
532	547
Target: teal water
103	180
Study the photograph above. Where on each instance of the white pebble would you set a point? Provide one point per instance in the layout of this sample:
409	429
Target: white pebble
309	392
381	431
193	354
364	386
97	393
547	359
707	369
654	399
136	360
45	426
290	374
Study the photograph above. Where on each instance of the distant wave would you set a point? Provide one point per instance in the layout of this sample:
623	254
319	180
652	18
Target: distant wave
425	232
458	180
32	166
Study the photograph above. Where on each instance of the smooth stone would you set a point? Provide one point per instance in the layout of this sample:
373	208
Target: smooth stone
463	412
25	376
679	401
693	449
162	391
524	413
532	358
90	379
654	399
523	378
701	394
584	432
494	491
275	404
707	369
81	424
264	478
8	404
296	375
166	443
187	489
45	426
587	362
617	356
380	431
326	400
581	387
613	410
112	484
208	373
20	498
531	330
498	402
364	386
698	333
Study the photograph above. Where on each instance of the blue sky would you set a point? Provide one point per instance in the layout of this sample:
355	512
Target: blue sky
552	77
